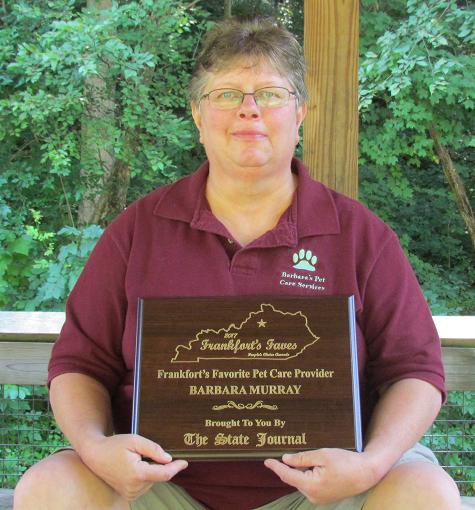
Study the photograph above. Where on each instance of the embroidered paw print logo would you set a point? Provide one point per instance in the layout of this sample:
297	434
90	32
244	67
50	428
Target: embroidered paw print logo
304	259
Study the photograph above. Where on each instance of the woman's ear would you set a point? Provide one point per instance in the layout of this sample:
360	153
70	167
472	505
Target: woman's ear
301	113
196	114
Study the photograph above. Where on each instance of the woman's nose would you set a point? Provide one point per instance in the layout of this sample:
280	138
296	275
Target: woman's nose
249	107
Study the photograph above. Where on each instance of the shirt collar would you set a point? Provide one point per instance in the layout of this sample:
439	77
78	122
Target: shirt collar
312	212
316	210
179	200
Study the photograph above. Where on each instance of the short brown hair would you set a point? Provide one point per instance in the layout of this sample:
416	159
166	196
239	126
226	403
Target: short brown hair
259	39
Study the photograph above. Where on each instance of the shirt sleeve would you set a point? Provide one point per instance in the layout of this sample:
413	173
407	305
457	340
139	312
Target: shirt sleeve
90	341
401	337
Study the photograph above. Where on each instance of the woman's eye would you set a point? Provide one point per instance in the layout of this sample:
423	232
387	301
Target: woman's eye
228	94
266	94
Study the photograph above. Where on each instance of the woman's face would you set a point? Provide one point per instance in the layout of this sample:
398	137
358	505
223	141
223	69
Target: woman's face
249	137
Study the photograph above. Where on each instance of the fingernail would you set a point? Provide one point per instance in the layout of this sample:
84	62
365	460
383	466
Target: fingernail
167	456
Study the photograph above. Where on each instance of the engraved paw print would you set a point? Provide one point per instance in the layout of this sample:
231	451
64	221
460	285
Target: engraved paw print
304	259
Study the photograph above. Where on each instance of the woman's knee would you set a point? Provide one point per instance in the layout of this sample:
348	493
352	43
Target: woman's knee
415	485
37	482
59	480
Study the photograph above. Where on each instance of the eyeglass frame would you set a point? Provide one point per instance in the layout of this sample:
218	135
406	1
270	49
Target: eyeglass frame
244	94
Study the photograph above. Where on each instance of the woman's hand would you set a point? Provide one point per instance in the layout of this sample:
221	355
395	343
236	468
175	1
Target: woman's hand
326	475
118	460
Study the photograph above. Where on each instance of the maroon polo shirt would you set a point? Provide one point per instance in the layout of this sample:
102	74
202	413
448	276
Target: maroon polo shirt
169	244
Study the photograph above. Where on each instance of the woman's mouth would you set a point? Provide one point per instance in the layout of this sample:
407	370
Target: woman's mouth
249	134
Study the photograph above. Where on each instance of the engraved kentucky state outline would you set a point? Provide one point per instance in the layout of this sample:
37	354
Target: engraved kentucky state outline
258	337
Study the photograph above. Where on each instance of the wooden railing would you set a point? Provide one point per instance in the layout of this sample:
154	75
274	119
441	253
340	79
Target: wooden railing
26	340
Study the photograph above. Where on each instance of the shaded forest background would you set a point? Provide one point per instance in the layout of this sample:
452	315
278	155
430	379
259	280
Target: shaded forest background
94	114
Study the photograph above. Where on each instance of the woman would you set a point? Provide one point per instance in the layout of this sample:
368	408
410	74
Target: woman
235	227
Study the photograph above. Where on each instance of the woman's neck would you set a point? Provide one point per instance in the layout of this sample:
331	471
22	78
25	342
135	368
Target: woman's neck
250	206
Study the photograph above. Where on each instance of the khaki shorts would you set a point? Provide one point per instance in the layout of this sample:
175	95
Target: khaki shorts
168	496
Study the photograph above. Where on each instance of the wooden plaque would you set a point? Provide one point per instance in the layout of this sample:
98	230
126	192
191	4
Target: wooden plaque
248	377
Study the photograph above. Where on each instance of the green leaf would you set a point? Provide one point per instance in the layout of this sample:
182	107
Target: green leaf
21	246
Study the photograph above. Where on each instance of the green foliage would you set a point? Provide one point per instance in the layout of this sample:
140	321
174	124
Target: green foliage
28	432
51	79
420	73
452	438
287	12
69	76
38	268
63	271
23	252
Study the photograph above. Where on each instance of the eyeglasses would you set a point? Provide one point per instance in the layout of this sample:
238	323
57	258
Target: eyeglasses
266	97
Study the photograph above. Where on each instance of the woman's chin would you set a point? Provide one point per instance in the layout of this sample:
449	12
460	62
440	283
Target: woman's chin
256	160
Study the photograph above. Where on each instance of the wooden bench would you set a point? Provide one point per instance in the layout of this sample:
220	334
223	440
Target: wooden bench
26	340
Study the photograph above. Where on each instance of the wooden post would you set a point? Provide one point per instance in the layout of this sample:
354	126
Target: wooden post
330	137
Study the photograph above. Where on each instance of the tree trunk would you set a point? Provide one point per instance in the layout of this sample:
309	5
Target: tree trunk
228	4
97	156
456	184
105	179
